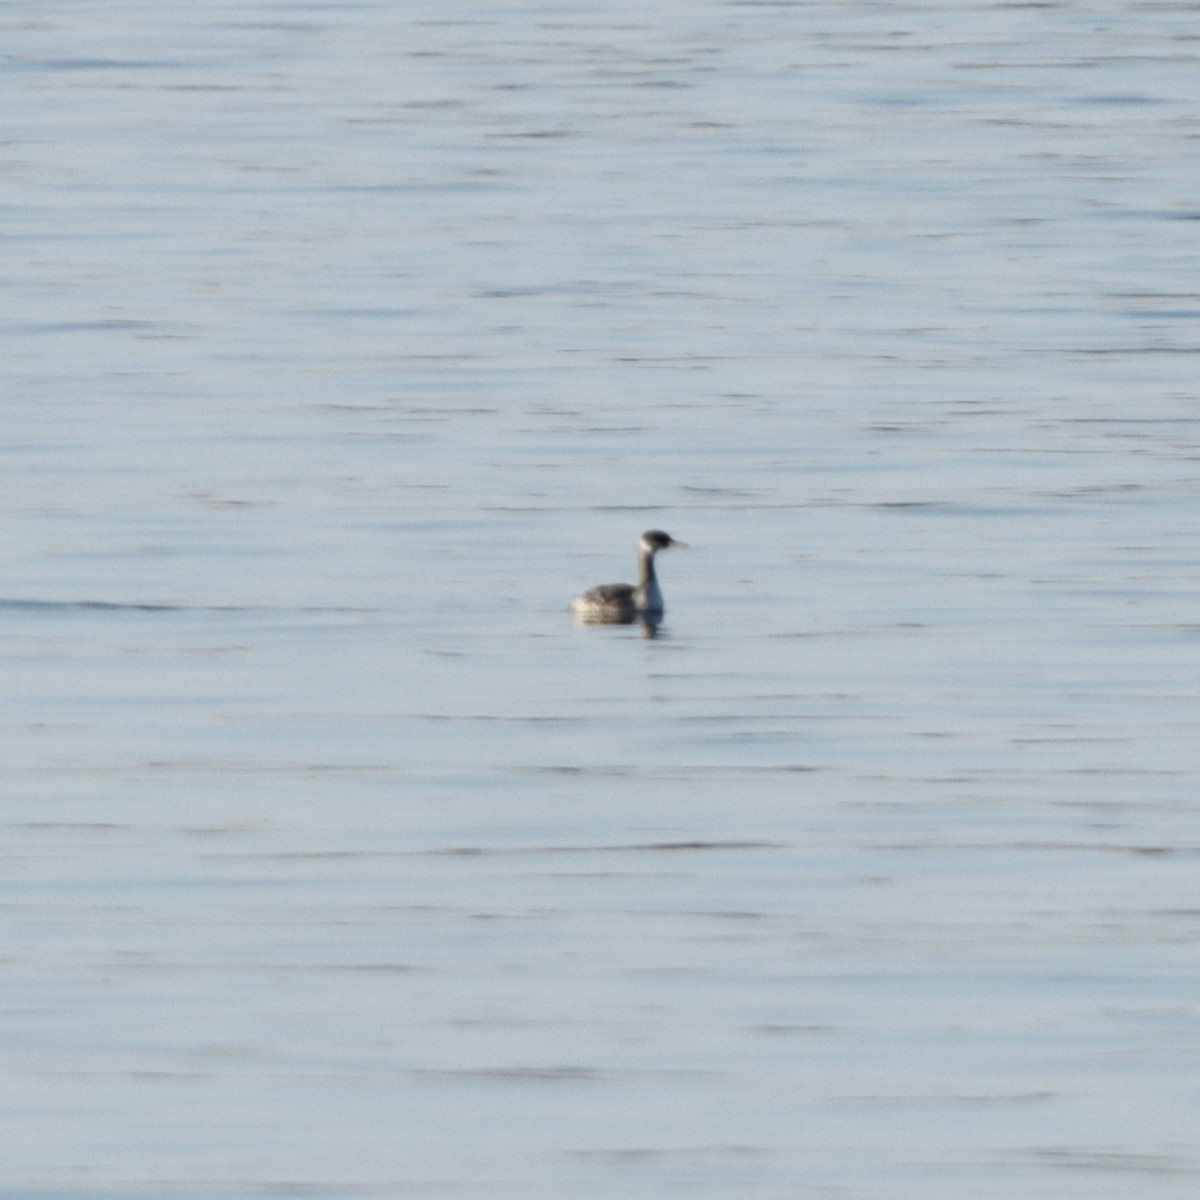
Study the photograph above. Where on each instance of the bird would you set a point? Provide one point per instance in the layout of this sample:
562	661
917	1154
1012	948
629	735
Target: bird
622	603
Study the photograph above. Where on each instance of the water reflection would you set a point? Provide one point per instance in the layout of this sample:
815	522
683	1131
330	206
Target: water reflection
650	622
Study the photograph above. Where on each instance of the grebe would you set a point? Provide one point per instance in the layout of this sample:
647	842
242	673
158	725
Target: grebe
622	603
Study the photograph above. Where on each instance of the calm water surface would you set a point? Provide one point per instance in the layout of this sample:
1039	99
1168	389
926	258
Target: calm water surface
342	344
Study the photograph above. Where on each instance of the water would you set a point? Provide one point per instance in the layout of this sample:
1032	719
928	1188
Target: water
343	344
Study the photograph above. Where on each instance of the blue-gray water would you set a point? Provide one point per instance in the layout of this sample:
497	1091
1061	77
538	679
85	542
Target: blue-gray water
341	344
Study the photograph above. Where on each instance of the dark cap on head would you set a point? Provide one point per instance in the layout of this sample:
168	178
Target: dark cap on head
658	539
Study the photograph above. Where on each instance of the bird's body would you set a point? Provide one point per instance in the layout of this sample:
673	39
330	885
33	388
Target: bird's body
623	603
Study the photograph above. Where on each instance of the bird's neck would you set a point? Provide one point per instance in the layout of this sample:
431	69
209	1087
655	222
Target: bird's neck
646	568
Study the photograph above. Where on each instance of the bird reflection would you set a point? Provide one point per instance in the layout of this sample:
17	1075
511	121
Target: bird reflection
650	622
